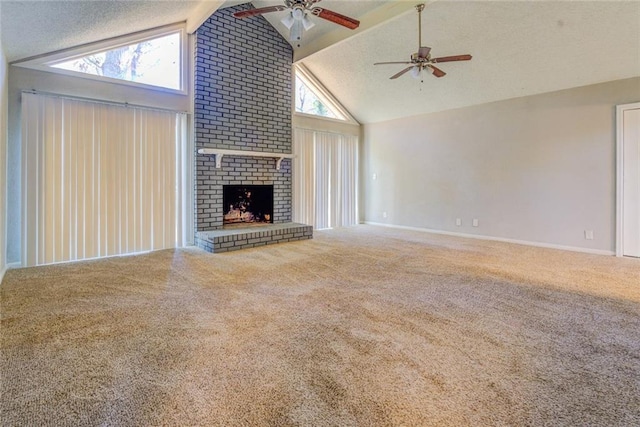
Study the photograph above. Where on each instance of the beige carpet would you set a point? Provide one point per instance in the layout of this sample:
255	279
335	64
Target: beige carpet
365	326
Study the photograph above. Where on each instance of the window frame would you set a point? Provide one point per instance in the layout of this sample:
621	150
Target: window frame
301	72
46	62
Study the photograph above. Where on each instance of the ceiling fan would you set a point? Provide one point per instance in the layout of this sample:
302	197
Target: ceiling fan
298	20
422	60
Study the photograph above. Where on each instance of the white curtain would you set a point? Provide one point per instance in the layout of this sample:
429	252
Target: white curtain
99	179
325	187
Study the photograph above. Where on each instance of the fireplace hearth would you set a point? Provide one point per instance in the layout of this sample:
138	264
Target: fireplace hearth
246	205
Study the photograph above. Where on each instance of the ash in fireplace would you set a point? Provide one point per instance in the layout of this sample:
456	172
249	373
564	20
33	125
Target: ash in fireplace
248	204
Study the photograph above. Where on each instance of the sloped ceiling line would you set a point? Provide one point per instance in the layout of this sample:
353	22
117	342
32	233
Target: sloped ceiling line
519	48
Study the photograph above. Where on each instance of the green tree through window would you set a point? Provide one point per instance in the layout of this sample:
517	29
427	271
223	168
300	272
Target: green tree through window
154	62
308	103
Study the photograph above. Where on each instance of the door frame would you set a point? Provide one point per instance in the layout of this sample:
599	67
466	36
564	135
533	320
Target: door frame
620	109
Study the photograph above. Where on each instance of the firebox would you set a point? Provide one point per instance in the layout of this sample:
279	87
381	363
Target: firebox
247	204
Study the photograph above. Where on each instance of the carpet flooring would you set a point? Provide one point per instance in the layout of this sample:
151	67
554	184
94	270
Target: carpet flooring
364	326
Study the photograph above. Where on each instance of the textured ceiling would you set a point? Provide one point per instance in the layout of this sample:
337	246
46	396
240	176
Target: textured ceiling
519	47
31	28
353	9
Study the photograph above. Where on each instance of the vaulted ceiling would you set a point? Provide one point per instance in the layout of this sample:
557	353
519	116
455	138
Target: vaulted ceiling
519	48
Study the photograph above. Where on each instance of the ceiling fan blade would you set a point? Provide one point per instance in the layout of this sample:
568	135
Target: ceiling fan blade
395	76
336	18
423	51
451	58
384	63
437	71
253	12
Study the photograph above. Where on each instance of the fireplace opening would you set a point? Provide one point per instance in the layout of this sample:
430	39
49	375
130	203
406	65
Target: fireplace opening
247	204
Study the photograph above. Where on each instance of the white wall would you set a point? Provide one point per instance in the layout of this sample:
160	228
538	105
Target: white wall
23	79
3	159
539	169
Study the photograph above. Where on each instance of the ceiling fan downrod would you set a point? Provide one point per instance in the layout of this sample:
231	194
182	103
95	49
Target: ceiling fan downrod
420	8
422	60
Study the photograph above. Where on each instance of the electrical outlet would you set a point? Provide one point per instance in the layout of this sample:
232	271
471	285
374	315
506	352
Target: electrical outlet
458	222
588	234
384	214
374	176
475	222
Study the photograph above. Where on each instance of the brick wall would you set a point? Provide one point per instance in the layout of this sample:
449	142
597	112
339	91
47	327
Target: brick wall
242	102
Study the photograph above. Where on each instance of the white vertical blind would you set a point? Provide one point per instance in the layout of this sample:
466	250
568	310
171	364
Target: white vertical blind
347	179
323	165
325	179
303	176
99	179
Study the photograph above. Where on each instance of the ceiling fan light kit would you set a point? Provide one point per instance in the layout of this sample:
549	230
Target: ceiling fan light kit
295	32
288	20
422	60
307	23
297	20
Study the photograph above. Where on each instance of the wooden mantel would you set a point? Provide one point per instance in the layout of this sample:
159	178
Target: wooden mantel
219	153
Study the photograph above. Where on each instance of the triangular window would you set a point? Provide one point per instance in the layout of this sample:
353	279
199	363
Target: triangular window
312	99
154	62
154	58
307	102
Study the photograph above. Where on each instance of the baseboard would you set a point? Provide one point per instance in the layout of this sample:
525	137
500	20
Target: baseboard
497	239
8	267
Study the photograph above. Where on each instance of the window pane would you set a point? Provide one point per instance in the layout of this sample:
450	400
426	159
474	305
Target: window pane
307	102
154	62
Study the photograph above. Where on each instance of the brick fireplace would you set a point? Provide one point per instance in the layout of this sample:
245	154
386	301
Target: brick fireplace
242	103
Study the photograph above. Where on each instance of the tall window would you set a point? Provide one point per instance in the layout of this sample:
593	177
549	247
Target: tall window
325	186
100	179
